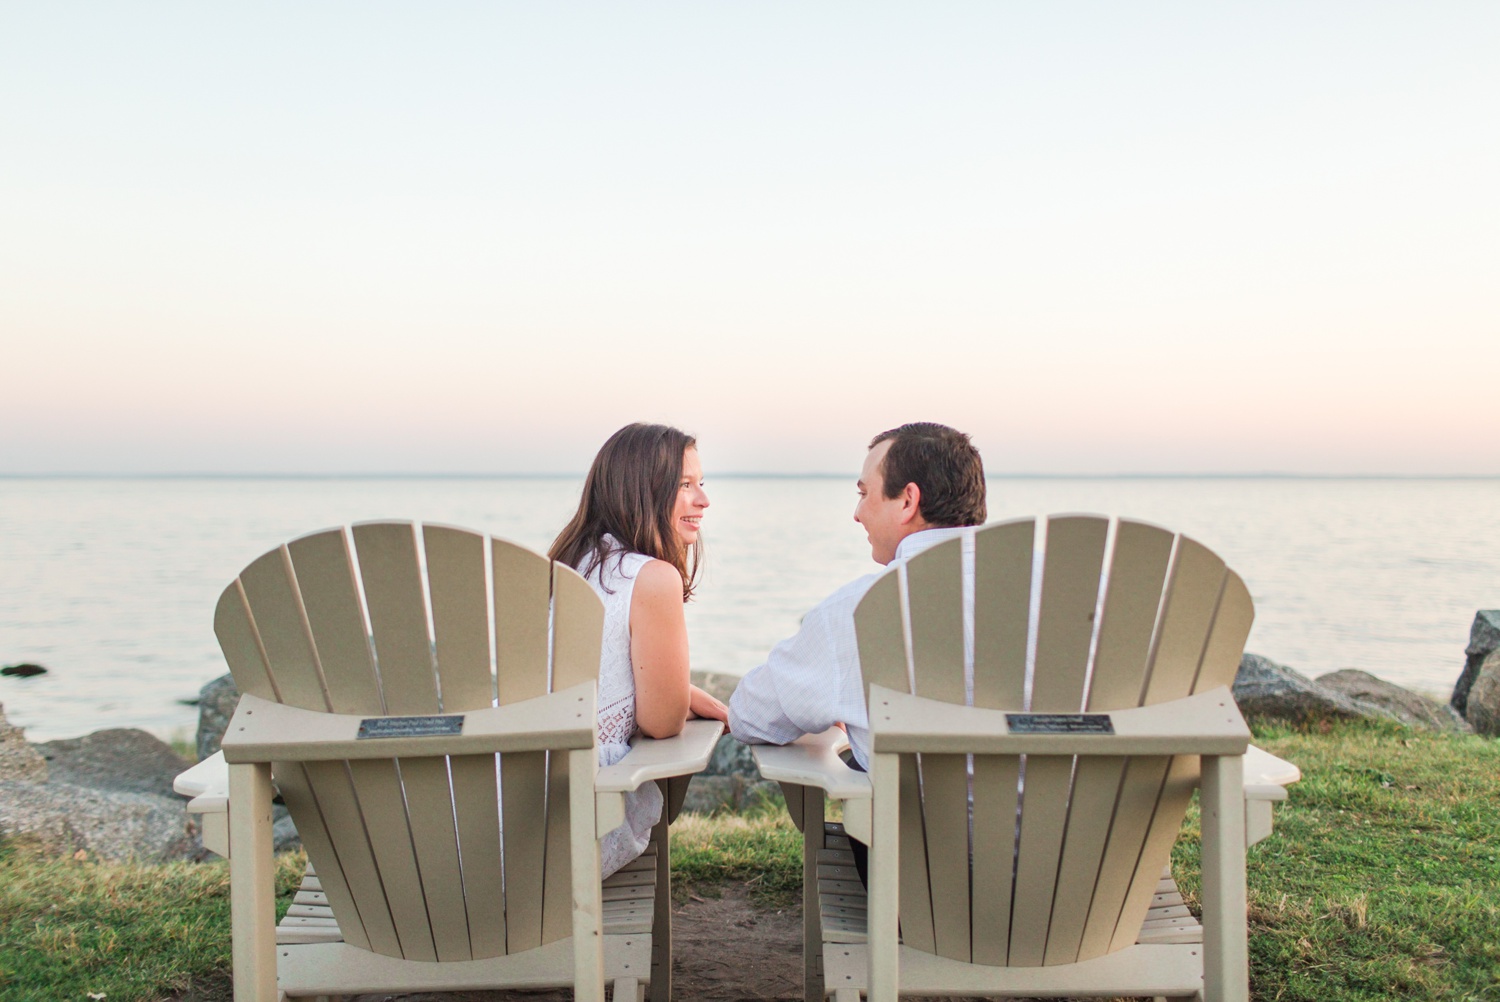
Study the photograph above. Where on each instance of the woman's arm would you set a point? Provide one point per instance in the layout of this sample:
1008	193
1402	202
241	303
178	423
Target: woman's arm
705	706
659	650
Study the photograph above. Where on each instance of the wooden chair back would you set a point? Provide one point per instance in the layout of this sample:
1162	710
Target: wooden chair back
1063	853
401	619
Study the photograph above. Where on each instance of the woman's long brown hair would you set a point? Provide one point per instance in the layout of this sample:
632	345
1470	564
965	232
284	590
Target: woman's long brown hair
630	492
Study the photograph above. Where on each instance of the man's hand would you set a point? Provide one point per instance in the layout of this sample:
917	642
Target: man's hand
701	704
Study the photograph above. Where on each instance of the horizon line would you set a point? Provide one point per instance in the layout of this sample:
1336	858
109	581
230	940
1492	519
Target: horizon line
731	475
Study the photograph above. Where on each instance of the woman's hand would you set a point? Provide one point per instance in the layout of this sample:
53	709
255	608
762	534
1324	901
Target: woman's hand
705	706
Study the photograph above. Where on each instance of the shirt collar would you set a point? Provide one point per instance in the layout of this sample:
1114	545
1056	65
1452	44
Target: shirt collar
911	545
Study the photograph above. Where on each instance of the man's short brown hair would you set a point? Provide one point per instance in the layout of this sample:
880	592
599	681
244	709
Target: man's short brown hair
943	464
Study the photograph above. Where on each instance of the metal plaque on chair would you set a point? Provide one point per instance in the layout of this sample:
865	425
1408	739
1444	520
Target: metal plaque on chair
1059	723
410	727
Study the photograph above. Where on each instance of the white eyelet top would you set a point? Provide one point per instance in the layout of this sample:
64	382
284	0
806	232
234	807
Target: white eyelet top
614	580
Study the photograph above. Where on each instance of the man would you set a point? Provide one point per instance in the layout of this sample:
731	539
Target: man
922	483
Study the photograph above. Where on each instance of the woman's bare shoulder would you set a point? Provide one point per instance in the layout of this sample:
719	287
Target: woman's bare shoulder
657	579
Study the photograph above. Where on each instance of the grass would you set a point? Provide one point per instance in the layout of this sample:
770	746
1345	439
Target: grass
760	849
76	928
1381	881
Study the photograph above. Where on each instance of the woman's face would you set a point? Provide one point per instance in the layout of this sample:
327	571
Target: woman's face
687	511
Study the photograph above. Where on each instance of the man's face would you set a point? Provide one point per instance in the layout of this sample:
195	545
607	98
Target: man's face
885	519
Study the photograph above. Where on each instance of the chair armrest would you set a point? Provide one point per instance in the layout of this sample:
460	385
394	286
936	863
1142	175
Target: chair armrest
1207	723
813	760
651	759
263	731
662	758
211	776
1264	769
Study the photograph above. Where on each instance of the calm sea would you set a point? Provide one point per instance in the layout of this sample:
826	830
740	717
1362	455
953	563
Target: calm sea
111	583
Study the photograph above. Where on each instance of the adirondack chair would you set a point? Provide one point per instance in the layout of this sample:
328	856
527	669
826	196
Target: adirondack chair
450	815
1021	823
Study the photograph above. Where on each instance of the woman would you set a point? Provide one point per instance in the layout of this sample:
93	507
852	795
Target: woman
635	538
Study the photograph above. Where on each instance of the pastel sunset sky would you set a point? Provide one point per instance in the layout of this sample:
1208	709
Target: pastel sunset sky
478	237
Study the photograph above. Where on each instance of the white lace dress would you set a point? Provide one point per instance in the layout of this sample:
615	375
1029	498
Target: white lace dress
614	580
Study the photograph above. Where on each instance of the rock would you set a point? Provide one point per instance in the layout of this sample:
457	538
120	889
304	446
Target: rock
1410	708
1263	688
108	794
731	758
716	684
122	760
18	759
216	703
710	794
1484	637
63	819
23	670
1484	697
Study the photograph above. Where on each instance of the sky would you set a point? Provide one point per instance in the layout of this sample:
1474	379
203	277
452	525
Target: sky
478	237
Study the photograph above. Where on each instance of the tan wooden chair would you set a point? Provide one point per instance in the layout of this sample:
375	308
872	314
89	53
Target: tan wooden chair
1027	853
450	813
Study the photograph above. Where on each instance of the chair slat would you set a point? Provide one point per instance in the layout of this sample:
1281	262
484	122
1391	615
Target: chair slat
271	594
945	809
429	804
523	778
1187	615
460	616
880	629
330	597
916	900
1137	574
476	801
238	639
383	808
1171	808
934	582
1043	818
577	629
398	619
329	784
1226	641
995	795
1139	790
1096	781
523	605
557	881
1002	607
1065	628
291	780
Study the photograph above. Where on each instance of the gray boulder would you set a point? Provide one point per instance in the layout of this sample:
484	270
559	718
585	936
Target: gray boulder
60	819
1263	688
18	759
121	760
1484	638
716	684
216	703
1409	707
1484	697
108	794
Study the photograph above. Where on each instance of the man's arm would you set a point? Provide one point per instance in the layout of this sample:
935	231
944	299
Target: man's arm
809	682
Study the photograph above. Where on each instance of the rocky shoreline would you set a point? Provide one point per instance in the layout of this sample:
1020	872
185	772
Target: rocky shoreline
109	794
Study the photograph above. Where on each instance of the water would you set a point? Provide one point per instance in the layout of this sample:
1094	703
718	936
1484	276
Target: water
111	583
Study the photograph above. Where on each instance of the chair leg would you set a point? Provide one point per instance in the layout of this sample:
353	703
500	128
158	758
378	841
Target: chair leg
813	841
252	884
882	935
626	990
661	919
1226	964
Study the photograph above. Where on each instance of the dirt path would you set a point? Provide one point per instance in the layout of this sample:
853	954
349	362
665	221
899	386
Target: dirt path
722	950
